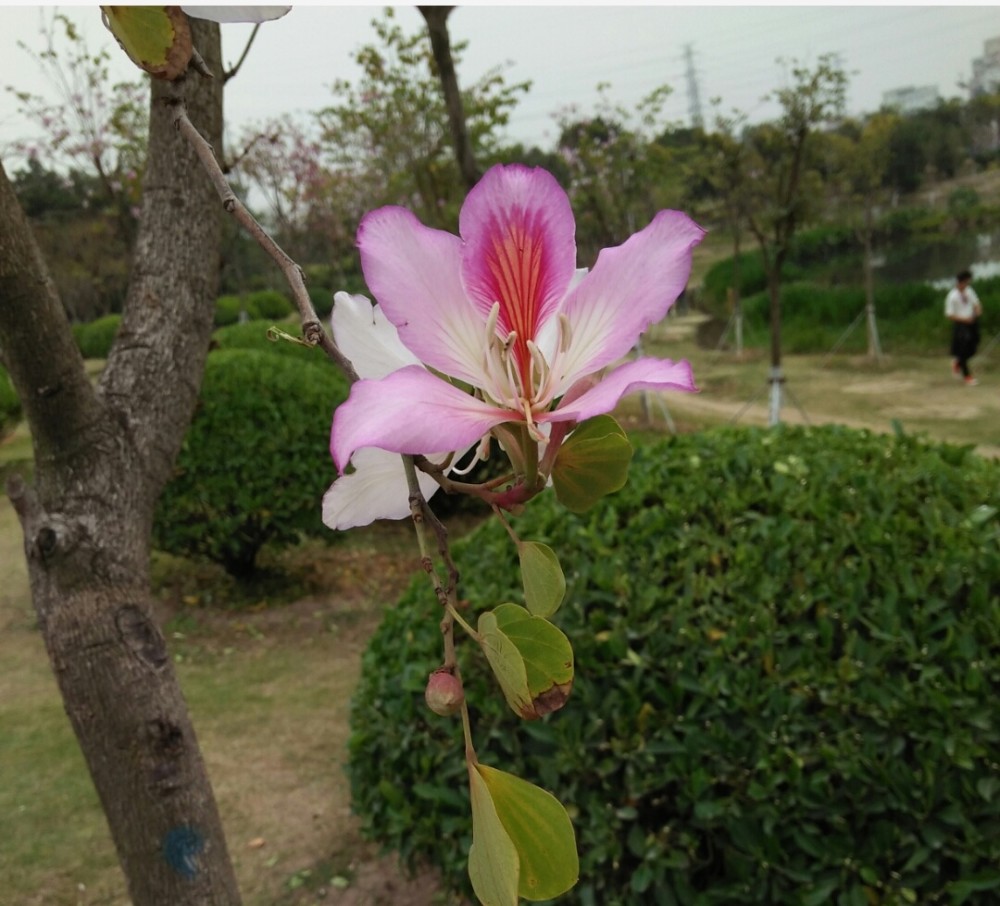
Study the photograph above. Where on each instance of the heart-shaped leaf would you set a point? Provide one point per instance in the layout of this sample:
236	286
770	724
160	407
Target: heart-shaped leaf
542	576
156	38
531	658
591	464
539	830
493	858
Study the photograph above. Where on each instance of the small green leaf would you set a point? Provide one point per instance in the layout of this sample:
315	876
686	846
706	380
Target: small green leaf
540	831
156	38
544	582
531	658
591	464
493	859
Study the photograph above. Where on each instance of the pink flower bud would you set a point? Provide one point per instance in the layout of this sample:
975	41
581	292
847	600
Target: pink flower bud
444	693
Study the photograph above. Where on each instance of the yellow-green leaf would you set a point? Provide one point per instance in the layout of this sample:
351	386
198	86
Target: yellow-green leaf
506	662
542	576
546	655
592	463
540	831
156	38
493	859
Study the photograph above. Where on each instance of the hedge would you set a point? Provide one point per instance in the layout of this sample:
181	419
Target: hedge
788	660
96	338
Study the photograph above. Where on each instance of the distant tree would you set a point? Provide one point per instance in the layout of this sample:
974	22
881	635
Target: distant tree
784	186
389	134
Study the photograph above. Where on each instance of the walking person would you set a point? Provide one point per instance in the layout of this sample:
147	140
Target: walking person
963	308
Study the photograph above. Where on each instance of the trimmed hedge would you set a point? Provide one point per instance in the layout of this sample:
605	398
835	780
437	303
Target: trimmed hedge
255	461
96	338
788	661
10	404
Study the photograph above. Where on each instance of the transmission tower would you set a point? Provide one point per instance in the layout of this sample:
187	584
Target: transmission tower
694	102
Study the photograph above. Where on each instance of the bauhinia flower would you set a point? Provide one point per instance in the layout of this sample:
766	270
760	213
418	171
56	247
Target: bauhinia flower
513	340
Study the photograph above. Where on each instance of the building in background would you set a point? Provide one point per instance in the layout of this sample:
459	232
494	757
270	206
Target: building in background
986	70
910	99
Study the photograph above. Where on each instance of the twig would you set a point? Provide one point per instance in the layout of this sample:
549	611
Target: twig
231	73
312	331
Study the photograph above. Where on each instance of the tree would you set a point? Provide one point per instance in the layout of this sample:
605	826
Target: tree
784	188
389	135
102	453
862	156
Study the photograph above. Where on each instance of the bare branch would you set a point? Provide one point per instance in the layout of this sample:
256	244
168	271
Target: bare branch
231	73
312	330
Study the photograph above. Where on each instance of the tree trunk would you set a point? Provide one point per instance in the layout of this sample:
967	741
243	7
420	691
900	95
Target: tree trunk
436	18
874	346
776	378
102	455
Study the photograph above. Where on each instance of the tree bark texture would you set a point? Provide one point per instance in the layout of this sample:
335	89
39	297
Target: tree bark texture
436	18
102	455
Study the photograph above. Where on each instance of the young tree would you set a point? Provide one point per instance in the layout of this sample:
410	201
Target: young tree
784	188
102	453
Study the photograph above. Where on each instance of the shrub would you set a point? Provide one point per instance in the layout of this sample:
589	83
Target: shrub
788	657
229	308
255	460
96	338
269	304
10	404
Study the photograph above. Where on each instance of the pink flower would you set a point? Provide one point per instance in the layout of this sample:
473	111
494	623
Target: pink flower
502	310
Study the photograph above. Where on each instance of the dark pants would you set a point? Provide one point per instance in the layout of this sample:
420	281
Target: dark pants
964	342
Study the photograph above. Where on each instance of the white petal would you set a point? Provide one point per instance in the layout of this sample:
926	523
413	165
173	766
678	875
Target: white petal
236	13
367	338
377	489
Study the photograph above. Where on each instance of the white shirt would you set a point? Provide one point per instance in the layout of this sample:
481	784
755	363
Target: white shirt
962	303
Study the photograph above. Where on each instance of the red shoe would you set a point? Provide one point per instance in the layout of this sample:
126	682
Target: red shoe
970	381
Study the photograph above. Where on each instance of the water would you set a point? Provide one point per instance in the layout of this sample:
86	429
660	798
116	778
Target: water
938	262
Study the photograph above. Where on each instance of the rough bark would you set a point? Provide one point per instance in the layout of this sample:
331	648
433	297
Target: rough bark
102	455
436	18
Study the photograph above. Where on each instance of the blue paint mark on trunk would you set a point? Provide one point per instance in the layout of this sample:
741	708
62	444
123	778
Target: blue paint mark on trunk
181	847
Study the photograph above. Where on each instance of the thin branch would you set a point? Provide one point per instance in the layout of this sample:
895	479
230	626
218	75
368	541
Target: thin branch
312	330
231	73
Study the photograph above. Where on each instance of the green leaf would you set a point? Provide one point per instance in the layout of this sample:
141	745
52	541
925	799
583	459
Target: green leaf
493	859
156	38
540	831
531	658
591	464
544	582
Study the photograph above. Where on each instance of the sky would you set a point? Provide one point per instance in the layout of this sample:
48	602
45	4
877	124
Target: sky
566	50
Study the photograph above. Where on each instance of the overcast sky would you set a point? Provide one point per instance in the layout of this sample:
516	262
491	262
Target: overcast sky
565	50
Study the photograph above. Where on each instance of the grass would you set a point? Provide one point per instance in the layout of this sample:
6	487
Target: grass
268	684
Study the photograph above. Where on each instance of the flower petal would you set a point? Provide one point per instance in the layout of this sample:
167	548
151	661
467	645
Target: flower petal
415	274
642	374
631	286
377	489
410	411
366	337
520	246
236	13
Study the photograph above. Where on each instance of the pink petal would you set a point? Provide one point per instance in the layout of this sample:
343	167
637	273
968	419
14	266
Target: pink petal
366	337
520	248
415	274
631	286
377	489
410	411
642	374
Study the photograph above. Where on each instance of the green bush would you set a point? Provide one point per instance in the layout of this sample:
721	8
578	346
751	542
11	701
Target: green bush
10	404
255	461
228	310
269	304
788	658
95	339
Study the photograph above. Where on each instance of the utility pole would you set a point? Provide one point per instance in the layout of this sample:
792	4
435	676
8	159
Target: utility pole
694	102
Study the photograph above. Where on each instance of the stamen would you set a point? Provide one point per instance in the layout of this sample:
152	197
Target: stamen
565	332
491	324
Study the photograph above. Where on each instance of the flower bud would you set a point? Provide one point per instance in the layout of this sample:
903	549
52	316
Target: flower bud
444	693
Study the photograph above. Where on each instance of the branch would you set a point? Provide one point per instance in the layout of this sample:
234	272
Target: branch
312	331
231	73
